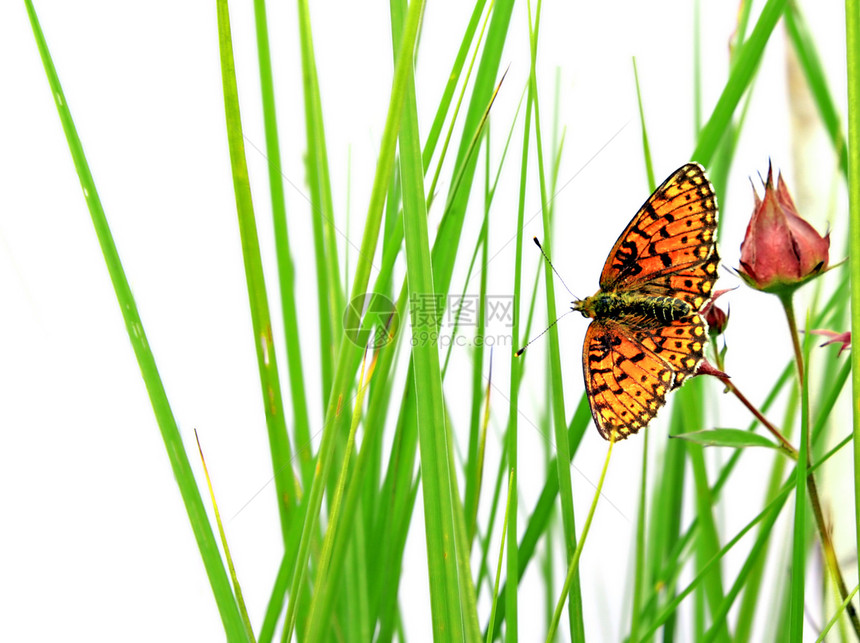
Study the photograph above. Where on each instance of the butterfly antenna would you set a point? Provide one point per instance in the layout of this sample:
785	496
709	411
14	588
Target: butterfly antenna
540	247
543	332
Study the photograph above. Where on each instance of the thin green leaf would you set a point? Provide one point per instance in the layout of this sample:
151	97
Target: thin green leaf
852	45
348	353
218	580
286	271
279	443
741	76
737	438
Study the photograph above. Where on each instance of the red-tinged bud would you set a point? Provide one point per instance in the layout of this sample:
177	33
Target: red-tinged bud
781	250
835	338
716	317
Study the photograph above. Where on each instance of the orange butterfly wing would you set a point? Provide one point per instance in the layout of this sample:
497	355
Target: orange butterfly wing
629	370
669	249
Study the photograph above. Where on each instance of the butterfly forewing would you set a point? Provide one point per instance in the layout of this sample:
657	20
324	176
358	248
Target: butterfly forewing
668	249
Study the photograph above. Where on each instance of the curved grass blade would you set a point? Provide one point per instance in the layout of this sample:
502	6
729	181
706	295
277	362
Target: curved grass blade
770	511
286	270
279	443
236	587
227	608
852	45
437	476
330	297
736	438
813	70
499	567
740	78
574	562
348	353
453	79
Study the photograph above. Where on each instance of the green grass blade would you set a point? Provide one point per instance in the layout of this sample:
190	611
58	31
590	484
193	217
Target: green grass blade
279	444
349	353
539	517
735	438
510	604
451	226
436	476
741	76
574	562
431	193
769	511
499	567
319	611
329	295
639	562
646	147
813	71
852	45
218	580
240	600
558	413
286	270
836	615
453	79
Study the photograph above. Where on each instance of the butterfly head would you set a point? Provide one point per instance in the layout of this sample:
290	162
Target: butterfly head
587	307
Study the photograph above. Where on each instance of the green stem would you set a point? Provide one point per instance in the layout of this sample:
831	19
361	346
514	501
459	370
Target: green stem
784	443
574	562
826	542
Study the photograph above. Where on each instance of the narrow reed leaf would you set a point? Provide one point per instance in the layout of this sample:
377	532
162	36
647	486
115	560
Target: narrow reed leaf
240	601
320	607
740	78
737	438
437	477
640	562
574	562
279	444
646	148
499	567
348	351
836	615
230	616
286	270
813	71
577	626
431	192
329	293
852	46
453	79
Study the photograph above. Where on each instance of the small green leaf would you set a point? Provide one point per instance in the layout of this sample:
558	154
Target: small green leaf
727	438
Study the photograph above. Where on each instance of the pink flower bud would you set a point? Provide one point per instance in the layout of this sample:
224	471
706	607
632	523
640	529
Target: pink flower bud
780	250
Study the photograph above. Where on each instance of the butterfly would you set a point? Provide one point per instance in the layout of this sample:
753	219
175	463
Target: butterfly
647	334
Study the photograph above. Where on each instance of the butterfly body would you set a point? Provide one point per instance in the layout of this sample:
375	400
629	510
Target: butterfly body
647	335
634	308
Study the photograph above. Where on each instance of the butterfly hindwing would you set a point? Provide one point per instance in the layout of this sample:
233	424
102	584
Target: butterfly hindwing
629	370
626	385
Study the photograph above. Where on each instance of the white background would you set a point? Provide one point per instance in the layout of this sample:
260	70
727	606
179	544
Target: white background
95	541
